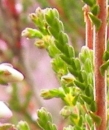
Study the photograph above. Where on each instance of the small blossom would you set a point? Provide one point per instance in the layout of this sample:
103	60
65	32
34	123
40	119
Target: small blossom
31	33
67	78
23	125
33	16
46	94
9	74
40	44
5	112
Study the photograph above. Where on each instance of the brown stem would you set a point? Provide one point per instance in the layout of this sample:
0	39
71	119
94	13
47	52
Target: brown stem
89	28
100	82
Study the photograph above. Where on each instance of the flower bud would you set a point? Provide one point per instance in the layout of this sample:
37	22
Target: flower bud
66	111
33	16
22	125
40	44
67	78
38	10
9	74
46	94
5	112
31	33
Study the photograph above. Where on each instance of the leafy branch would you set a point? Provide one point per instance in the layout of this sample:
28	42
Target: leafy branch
75	73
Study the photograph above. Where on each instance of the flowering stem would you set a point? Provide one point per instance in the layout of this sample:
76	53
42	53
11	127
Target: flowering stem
100	81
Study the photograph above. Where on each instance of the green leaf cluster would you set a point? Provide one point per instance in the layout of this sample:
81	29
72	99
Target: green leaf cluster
75	73
45	120
23	125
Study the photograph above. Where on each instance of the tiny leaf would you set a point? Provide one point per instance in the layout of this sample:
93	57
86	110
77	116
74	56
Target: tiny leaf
96	21
95	118
104	67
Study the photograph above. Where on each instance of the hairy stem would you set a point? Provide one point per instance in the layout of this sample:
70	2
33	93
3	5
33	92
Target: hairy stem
89	28
100	81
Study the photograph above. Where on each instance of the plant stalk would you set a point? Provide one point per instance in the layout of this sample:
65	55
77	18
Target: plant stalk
99	80
89	28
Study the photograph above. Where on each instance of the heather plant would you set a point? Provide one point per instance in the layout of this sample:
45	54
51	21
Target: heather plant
75	73
82	76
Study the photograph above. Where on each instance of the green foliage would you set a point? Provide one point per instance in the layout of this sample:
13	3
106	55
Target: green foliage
96	21
74	73
22	125
90	2
94	11
105	65
32	33
45	120
96	118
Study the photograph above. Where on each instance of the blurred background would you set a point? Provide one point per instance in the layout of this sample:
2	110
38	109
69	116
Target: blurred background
24	98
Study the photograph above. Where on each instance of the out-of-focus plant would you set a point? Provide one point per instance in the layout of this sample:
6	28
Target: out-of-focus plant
10	75
7	75
82	78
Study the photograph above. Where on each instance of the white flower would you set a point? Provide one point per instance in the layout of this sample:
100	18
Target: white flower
5	112
9	74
